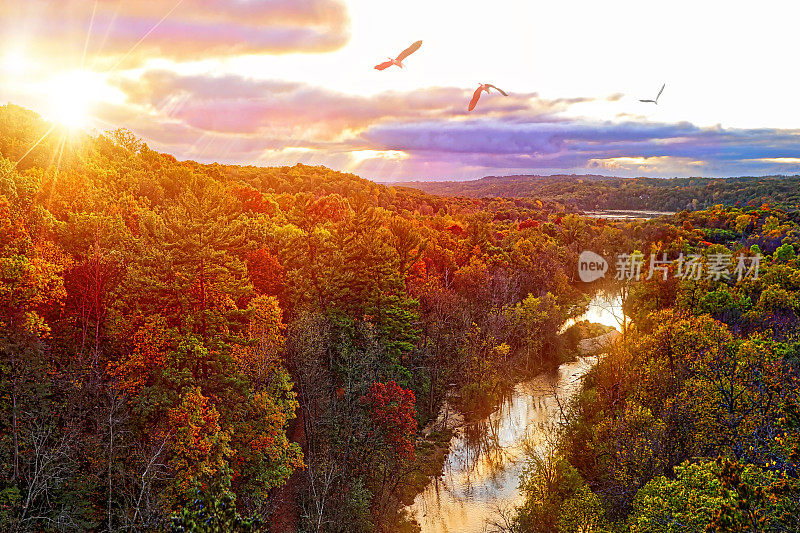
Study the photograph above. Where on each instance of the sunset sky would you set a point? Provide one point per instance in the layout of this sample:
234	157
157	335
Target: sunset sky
279	82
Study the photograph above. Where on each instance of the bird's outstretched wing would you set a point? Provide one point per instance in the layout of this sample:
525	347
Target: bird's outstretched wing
475	96
661	91
499	89
410	50
384	65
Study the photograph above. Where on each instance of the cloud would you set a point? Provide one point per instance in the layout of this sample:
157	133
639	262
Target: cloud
571	141
782	160
177	29
233	104
653	165
428	134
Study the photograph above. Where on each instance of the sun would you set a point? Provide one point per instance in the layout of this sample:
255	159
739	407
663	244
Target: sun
13	62
73	96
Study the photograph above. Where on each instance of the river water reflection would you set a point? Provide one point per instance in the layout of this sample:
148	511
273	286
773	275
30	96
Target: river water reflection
482	470
481	473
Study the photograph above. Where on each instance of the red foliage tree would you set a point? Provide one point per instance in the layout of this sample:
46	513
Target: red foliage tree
266	273
392	411
253	200
457	230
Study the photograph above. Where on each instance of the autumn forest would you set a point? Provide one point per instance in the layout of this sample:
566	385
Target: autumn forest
208	347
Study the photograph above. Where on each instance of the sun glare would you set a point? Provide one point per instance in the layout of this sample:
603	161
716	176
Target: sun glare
359	156
73	96
13	62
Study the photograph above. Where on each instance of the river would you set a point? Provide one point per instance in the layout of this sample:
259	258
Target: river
481	472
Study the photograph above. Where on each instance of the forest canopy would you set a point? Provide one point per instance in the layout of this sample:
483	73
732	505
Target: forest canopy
178	338
189	346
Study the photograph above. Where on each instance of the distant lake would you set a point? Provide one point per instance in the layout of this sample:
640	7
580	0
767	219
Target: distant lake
626	214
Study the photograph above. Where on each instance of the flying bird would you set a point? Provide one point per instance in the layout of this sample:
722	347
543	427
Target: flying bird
659	94
399	59
477	94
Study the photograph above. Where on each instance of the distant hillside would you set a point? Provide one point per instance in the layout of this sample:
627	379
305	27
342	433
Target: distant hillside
601	192
31	145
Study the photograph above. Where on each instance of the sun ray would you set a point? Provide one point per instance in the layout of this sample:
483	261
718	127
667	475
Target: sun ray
43	137
151	30
109	26
88	34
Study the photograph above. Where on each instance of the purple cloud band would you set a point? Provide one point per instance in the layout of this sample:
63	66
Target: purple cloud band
236	119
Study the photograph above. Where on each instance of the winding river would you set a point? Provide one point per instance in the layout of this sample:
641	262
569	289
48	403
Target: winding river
481	472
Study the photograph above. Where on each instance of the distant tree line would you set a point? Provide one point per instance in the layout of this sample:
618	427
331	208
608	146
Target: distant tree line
590	192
